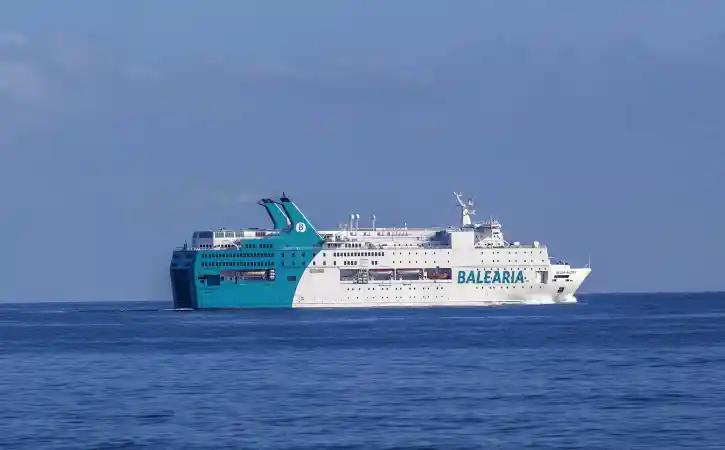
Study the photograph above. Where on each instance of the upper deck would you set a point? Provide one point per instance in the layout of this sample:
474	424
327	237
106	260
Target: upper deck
224	238
350	235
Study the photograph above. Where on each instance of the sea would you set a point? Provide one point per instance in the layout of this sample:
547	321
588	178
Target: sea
611	372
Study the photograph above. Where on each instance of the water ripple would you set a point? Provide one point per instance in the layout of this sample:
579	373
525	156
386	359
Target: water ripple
610	373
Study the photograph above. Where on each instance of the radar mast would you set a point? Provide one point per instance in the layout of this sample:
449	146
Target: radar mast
466	211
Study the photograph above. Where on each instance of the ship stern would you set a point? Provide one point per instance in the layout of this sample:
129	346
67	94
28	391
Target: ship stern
182	276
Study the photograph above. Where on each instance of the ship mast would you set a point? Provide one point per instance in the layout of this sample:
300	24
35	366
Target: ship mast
466	212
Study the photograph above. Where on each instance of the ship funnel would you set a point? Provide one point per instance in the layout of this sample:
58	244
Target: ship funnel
279	218
373	221
302	229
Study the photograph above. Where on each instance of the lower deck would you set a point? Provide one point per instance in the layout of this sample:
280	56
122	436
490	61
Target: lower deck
430	293
314	292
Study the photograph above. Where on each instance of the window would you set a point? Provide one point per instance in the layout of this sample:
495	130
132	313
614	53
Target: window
291	278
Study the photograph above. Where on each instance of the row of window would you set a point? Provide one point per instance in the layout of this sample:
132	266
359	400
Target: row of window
249	245
294	254
343	254
351	263
516	252
226	234
441	288
347	263
237	255
395	288
337	245
294	263
353	254
238	263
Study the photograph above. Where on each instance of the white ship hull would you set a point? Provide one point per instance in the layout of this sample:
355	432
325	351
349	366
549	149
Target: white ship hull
321	288
424	303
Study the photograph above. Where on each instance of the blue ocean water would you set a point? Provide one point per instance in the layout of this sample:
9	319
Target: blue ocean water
612	372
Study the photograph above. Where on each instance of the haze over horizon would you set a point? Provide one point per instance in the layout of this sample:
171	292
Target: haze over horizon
596	129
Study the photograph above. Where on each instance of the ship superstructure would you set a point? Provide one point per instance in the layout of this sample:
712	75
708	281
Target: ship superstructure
293	264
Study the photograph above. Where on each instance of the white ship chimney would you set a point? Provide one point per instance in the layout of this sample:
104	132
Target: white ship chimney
373	221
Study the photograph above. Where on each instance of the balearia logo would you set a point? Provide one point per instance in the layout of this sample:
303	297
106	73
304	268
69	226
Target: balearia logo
490	277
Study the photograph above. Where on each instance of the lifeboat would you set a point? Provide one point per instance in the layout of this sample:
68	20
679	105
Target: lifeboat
438	276
381	271
254	274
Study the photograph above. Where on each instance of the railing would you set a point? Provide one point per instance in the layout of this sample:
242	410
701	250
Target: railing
370	245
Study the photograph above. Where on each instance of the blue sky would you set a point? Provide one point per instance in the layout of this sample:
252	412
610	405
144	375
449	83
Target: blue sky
593	127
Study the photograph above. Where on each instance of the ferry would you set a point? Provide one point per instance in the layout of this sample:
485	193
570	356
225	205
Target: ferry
293	265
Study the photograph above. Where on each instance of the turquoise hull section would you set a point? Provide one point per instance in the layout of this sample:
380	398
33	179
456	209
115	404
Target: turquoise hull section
262	273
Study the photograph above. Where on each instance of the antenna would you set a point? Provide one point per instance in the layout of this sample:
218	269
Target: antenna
471	204
458	197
